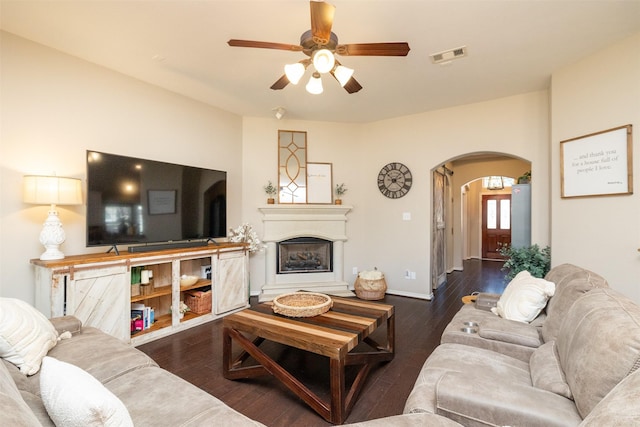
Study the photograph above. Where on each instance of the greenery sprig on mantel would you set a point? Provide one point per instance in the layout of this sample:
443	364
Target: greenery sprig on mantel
340	189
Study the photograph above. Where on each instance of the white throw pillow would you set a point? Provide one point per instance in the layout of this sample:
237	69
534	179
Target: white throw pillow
73	397
26	335
524	298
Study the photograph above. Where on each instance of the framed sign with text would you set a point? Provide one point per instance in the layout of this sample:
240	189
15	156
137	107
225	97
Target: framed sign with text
319	183
598	164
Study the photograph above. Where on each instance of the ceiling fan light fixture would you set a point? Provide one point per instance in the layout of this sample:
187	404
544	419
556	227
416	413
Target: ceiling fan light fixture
294	72
279	112
343	74
323	61
315	84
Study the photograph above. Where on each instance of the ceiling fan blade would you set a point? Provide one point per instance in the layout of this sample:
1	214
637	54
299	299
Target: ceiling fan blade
264	45
374	49
352	86
280	83
321	21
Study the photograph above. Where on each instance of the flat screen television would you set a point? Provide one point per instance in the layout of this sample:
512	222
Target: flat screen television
140	201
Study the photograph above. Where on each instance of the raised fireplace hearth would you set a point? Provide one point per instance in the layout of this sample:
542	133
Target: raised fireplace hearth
304	249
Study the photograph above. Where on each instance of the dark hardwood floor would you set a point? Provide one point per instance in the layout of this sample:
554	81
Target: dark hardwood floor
196	356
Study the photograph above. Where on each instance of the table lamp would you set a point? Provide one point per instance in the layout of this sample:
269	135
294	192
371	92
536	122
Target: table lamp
52	190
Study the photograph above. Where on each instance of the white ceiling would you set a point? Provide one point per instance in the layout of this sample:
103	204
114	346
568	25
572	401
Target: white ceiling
513	47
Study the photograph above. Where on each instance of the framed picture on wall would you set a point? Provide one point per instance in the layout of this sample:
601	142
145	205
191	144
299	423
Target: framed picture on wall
598	164
319	183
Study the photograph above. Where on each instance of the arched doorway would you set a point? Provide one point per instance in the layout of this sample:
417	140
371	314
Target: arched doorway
462	215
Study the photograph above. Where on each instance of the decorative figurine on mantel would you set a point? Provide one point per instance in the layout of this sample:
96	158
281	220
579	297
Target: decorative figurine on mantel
340	190
271	192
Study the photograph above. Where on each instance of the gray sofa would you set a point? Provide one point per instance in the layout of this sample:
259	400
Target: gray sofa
151	395
581	371
582	367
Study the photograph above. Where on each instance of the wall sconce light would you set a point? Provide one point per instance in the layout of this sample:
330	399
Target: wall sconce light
52	190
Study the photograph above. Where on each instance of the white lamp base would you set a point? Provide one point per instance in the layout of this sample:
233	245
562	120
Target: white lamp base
52	236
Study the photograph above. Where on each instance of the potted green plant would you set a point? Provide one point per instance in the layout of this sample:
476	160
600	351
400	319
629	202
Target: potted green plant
535	260
525	178
271	191
340	190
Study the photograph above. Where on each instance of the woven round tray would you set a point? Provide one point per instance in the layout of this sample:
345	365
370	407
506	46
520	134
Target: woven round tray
302	304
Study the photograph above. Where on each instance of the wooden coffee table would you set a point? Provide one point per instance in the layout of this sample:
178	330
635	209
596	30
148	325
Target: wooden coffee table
333	334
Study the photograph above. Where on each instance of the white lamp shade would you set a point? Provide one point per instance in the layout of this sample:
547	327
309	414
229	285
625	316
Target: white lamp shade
315	84
323	61
343	74
294	72
52	190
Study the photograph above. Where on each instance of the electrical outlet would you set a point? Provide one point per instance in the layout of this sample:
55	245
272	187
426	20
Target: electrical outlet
406	216
355	270
413	275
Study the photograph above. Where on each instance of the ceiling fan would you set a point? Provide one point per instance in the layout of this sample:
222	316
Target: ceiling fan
321	46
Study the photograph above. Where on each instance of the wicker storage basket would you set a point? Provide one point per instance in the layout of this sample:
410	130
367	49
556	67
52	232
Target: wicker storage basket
302	304
370	289
199	302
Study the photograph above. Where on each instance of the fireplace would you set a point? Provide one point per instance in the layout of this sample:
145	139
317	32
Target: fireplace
304	255
304	249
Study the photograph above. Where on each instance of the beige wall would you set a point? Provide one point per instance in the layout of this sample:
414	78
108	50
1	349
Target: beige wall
54	107
336	143
599	233
378	236
516	126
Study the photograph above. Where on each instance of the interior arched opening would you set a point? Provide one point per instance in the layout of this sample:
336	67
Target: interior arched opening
457	208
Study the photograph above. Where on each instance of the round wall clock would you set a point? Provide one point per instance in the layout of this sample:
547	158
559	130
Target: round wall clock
394	180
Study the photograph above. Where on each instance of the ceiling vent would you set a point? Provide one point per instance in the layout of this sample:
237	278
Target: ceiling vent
449	55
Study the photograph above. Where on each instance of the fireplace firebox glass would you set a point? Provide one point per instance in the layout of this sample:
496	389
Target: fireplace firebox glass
305	255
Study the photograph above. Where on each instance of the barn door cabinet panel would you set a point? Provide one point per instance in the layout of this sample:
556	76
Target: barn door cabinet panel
105	290
231	289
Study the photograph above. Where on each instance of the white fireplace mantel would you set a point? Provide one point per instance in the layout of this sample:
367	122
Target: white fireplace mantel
284	221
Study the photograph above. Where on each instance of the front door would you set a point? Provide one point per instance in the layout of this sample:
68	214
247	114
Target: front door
496	224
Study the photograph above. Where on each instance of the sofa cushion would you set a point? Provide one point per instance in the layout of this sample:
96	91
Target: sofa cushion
100	354
509	331
598	345
74	398
408	420
189	406
620	407
26	335
524	298
13	409
571	282
546	372
474	386
520	338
